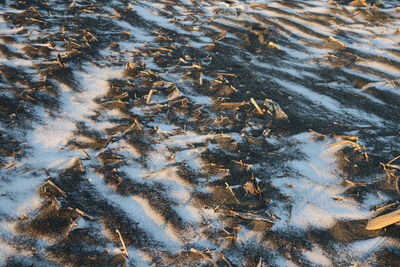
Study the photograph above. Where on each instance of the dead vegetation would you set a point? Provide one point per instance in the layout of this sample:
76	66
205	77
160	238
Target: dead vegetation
189	124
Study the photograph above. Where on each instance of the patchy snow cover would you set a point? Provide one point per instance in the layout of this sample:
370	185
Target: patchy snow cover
167	169
313	188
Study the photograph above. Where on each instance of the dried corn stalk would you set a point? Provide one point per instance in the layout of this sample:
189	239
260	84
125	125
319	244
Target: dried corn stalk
384	220
124	250
273	45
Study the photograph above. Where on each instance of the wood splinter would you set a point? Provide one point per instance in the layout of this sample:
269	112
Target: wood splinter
62	192
124	250
59	61
149	96
222	256
260	111
137	124
205	256
229	189
85	154
234	103
357	264
83	214
384	220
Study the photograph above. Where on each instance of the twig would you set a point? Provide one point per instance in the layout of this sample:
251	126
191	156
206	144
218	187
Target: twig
37	20
241	163
83	214
260	263
149	96
138	125
350	137
256	106
356	264
350	183
229	188
247	217
383	208
393	160
197	66
86	154
195	251
234	103
339	198
224	259
59	61
393	166
125	251
273	45
226	232
72	225
353	144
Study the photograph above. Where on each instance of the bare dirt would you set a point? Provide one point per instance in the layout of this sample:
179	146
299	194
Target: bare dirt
198	173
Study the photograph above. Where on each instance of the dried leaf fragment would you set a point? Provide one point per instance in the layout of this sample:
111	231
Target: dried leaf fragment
358	3
220	36
252	189
197	66
130	66
274	109
258	5
174	94
161	37
48	185
209	47
336	43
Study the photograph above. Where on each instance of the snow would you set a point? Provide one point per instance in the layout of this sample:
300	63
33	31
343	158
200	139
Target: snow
312	190
317	256
147	219
314	179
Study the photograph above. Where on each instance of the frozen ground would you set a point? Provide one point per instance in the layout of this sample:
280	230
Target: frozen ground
198	132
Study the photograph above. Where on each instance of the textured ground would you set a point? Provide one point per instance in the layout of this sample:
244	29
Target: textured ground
132	121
